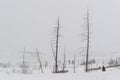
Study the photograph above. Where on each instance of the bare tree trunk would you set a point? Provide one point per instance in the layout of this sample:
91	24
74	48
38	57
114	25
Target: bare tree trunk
24	67
74	64
40	64
53	51
64	61
57	40
87	54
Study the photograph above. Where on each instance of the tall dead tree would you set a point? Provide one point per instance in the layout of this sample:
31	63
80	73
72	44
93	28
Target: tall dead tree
55	46
57	40
88	33
86	38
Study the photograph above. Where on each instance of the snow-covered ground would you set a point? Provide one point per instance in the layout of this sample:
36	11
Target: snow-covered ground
109	74
14	72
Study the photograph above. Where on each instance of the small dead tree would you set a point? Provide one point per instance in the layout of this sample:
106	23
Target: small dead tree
53	51
23	66
64	64
74	67
40	64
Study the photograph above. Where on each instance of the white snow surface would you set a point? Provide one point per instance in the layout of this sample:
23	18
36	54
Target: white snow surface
109	74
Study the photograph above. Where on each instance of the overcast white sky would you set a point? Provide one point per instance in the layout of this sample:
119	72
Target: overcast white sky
30	23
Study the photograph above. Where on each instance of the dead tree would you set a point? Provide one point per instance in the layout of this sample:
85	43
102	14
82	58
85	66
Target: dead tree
57	40
74	64
87	53
24	65
64	61
40	64
86	38
55	52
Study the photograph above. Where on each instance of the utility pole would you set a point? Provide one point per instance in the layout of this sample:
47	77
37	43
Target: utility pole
88	33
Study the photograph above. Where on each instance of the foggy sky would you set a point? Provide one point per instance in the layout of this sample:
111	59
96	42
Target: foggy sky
30	24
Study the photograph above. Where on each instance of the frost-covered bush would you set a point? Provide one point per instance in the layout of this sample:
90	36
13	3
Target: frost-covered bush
115	61
91	61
